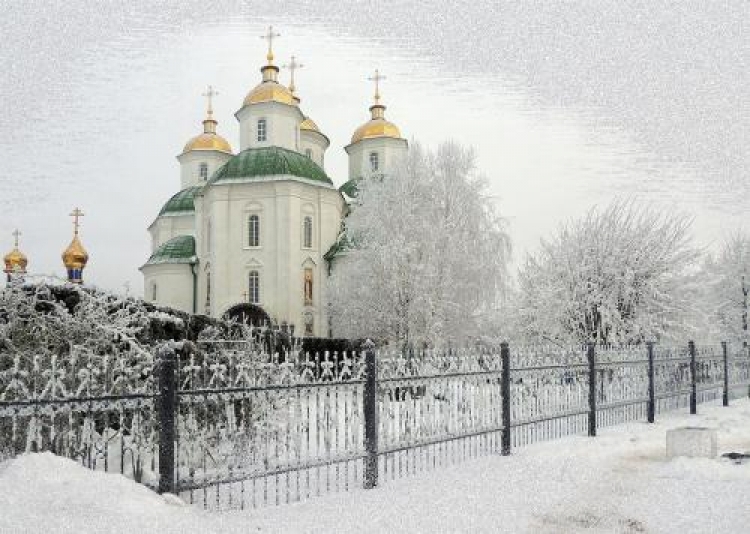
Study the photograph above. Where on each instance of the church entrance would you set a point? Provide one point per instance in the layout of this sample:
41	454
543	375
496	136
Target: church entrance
249	314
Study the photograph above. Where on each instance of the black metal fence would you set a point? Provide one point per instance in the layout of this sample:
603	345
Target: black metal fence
235	427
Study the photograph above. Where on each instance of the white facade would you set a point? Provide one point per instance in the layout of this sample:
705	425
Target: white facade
252	229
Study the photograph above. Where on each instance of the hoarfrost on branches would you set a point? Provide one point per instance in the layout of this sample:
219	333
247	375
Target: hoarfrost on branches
623	274
427	256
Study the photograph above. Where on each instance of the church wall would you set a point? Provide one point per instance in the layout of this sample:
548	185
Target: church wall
282	122
174	285
190	165
280	259
389	151
317	145
166	227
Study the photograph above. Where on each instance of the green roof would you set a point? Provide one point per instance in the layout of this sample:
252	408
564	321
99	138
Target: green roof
182	202
269	161
350	188
180	249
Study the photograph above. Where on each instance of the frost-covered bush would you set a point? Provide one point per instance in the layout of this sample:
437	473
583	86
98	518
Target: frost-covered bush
622	274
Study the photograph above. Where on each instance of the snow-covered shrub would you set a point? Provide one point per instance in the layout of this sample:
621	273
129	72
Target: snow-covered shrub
622	274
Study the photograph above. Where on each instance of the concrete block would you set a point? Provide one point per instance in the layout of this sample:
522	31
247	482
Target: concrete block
691	441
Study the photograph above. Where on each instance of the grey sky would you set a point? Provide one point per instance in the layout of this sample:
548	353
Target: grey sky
567	104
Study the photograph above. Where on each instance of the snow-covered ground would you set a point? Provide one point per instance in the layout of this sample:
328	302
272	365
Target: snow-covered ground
617	482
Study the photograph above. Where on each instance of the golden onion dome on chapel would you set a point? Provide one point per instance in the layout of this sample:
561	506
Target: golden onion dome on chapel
309	125
270	90
209	139
75	256
376	127
15	260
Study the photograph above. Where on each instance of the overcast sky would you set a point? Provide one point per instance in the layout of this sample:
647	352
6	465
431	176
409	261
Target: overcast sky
568	104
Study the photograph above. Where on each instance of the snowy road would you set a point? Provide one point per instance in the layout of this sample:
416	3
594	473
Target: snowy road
618	482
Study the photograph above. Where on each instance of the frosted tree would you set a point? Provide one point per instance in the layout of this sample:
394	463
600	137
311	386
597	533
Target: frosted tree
623	274
727	280
427	253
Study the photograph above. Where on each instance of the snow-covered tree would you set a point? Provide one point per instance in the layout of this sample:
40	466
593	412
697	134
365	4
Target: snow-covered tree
427	252
727	282
622	274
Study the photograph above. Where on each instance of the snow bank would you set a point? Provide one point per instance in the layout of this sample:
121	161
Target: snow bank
618	482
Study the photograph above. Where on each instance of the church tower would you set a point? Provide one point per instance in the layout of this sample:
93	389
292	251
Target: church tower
15	262
377	144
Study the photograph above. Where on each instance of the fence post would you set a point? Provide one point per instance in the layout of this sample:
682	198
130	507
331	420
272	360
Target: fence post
725	352
505	394
651	383
166	413
693	379
370	404
592	389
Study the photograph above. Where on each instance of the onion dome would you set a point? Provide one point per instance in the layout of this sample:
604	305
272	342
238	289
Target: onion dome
377	126
270	90
179	249
309	125
209	139
264	162
75	256
15	260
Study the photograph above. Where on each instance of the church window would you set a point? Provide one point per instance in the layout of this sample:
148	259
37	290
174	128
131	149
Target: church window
253	287
253	231
204	171
208	292
153	291
307	231
374	161
262	130
308	153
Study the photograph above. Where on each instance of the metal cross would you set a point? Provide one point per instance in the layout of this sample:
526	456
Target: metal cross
377	78
245	296
16	234
210	94
292	66
270	36
76	213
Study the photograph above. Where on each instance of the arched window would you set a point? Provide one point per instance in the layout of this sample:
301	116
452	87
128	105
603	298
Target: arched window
253	231
307	232
253	287
262	130
308	153
204	171
374	161
153	291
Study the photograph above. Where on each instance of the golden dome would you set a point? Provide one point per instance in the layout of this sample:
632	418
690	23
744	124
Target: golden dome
270	91
208	141
15	261
75	256
376	128
309	125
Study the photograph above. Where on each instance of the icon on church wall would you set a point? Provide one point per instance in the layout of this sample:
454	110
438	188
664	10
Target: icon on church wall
309	319
308	284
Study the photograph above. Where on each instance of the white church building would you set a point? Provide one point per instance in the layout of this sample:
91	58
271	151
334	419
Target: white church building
252	233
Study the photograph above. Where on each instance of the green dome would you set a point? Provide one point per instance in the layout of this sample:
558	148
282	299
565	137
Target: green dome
269	161
180	249
182	202
350	188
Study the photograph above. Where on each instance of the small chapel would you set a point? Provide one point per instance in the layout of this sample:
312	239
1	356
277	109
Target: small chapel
254	234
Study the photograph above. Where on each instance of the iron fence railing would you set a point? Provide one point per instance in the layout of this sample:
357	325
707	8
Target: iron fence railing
235	427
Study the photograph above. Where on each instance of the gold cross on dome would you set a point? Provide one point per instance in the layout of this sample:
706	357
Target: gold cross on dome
76	214
292	66
377	78
270	36
16	235
210	94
